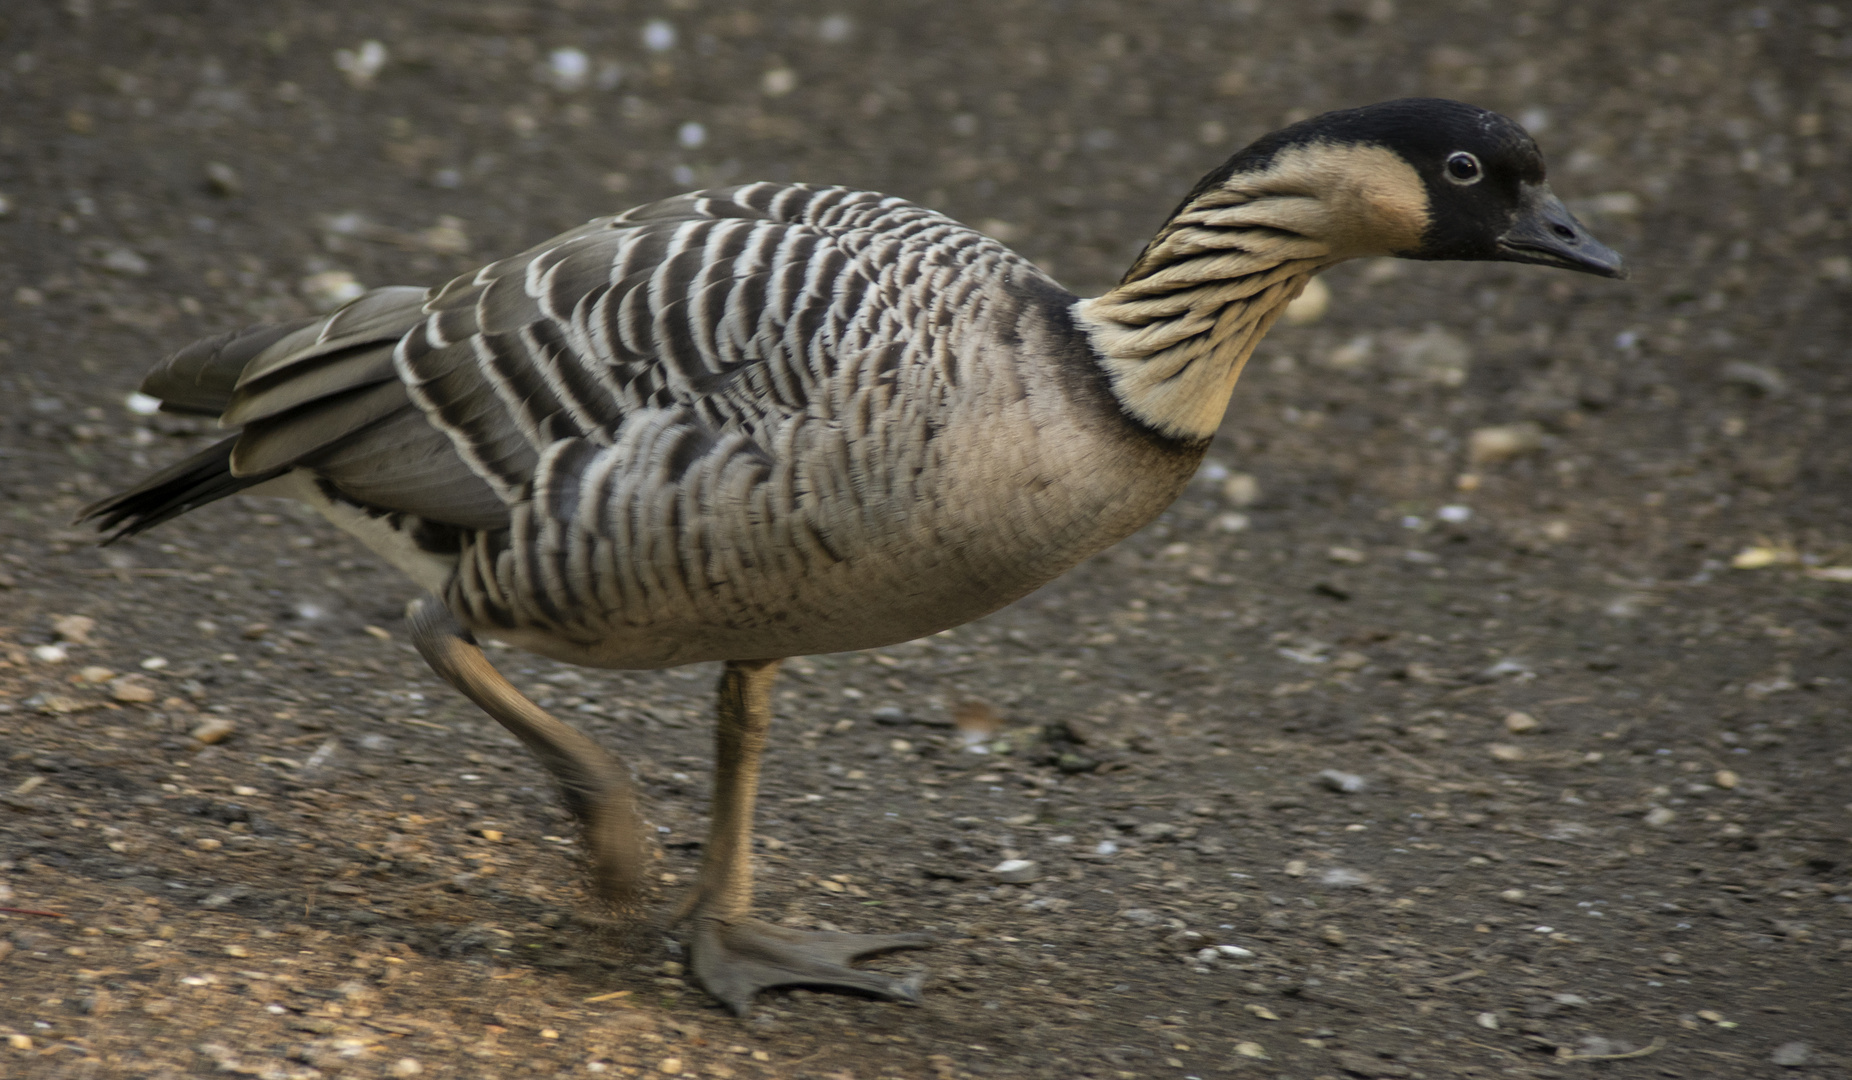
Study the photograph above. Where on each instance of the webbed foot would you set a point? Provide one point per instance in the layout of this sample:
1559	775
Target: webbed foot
734	961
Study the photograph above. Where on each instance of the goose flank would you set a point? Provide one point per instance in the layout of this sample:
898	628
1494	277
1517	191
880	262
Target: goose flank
771	420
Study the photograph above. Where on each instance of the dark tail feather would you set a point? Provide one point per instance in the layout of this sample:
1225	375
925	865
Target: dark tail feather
205	477
200	378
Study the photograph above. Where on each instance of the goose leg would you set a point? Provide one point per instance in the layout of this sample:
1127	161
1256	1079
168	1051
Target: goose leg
734	955
594	784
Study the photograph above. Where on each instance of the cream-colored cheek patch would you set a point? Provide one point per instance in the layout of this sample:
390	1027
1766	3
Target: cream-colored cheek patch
1369	201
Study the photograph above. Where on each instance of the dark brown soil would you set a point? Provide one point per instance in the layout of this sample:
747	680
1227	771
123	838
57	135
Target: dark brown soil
367	878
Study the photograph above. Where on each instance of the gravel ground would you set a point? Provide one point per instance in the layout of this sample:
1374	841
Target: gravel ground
1481	711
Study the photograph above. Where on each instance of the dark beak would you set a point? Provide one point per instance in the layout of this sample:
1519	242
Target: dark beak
1546	233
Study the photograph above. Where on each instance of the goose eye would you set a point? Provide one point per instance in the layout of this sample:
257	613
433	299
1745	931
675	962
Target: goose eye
1463	168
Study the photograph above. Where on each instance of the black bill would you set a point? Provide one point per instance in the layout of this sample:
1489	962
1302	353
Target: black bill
1546	233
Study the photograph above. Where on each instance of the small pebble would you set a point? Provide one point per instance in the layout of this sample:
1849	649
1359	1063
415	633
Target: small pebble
1490	445
1621	204
658	35
1341	877
1505	668
50	654
778	82
1240	490
1436	355
1016	871
95	674
1296	868
1506	752
1309	306
19	1042
74	629
407	1067
357	991
1660	816
1726	779
1792	1055
238	952
1487	1020
1755	376
447	237
1251	1050
125	261
1760	557
330	289
362	65
222	180
1332	935
671	1065
1343	782
568	69
154	663
131	691
215	730
977	722
1358	1063
1353	355
1519	723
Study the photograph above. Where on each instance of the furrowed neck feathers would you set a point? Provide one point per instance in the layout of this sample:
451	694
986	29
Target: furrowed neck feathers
1176	332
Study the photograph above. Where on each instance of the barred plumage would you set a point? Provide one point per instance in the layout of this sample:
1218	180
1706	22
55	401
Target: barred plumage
717	421
771	419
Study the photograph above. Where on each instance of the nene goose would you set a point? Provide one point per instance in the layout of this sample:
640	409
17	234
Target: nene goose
775	419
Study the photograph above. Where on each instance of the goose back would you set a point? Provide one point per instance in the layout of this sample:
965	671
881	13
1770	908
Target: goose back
724	422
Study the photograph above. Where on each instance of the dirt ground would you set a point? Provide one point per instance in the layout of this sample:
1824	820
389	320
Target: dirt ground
1487	696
